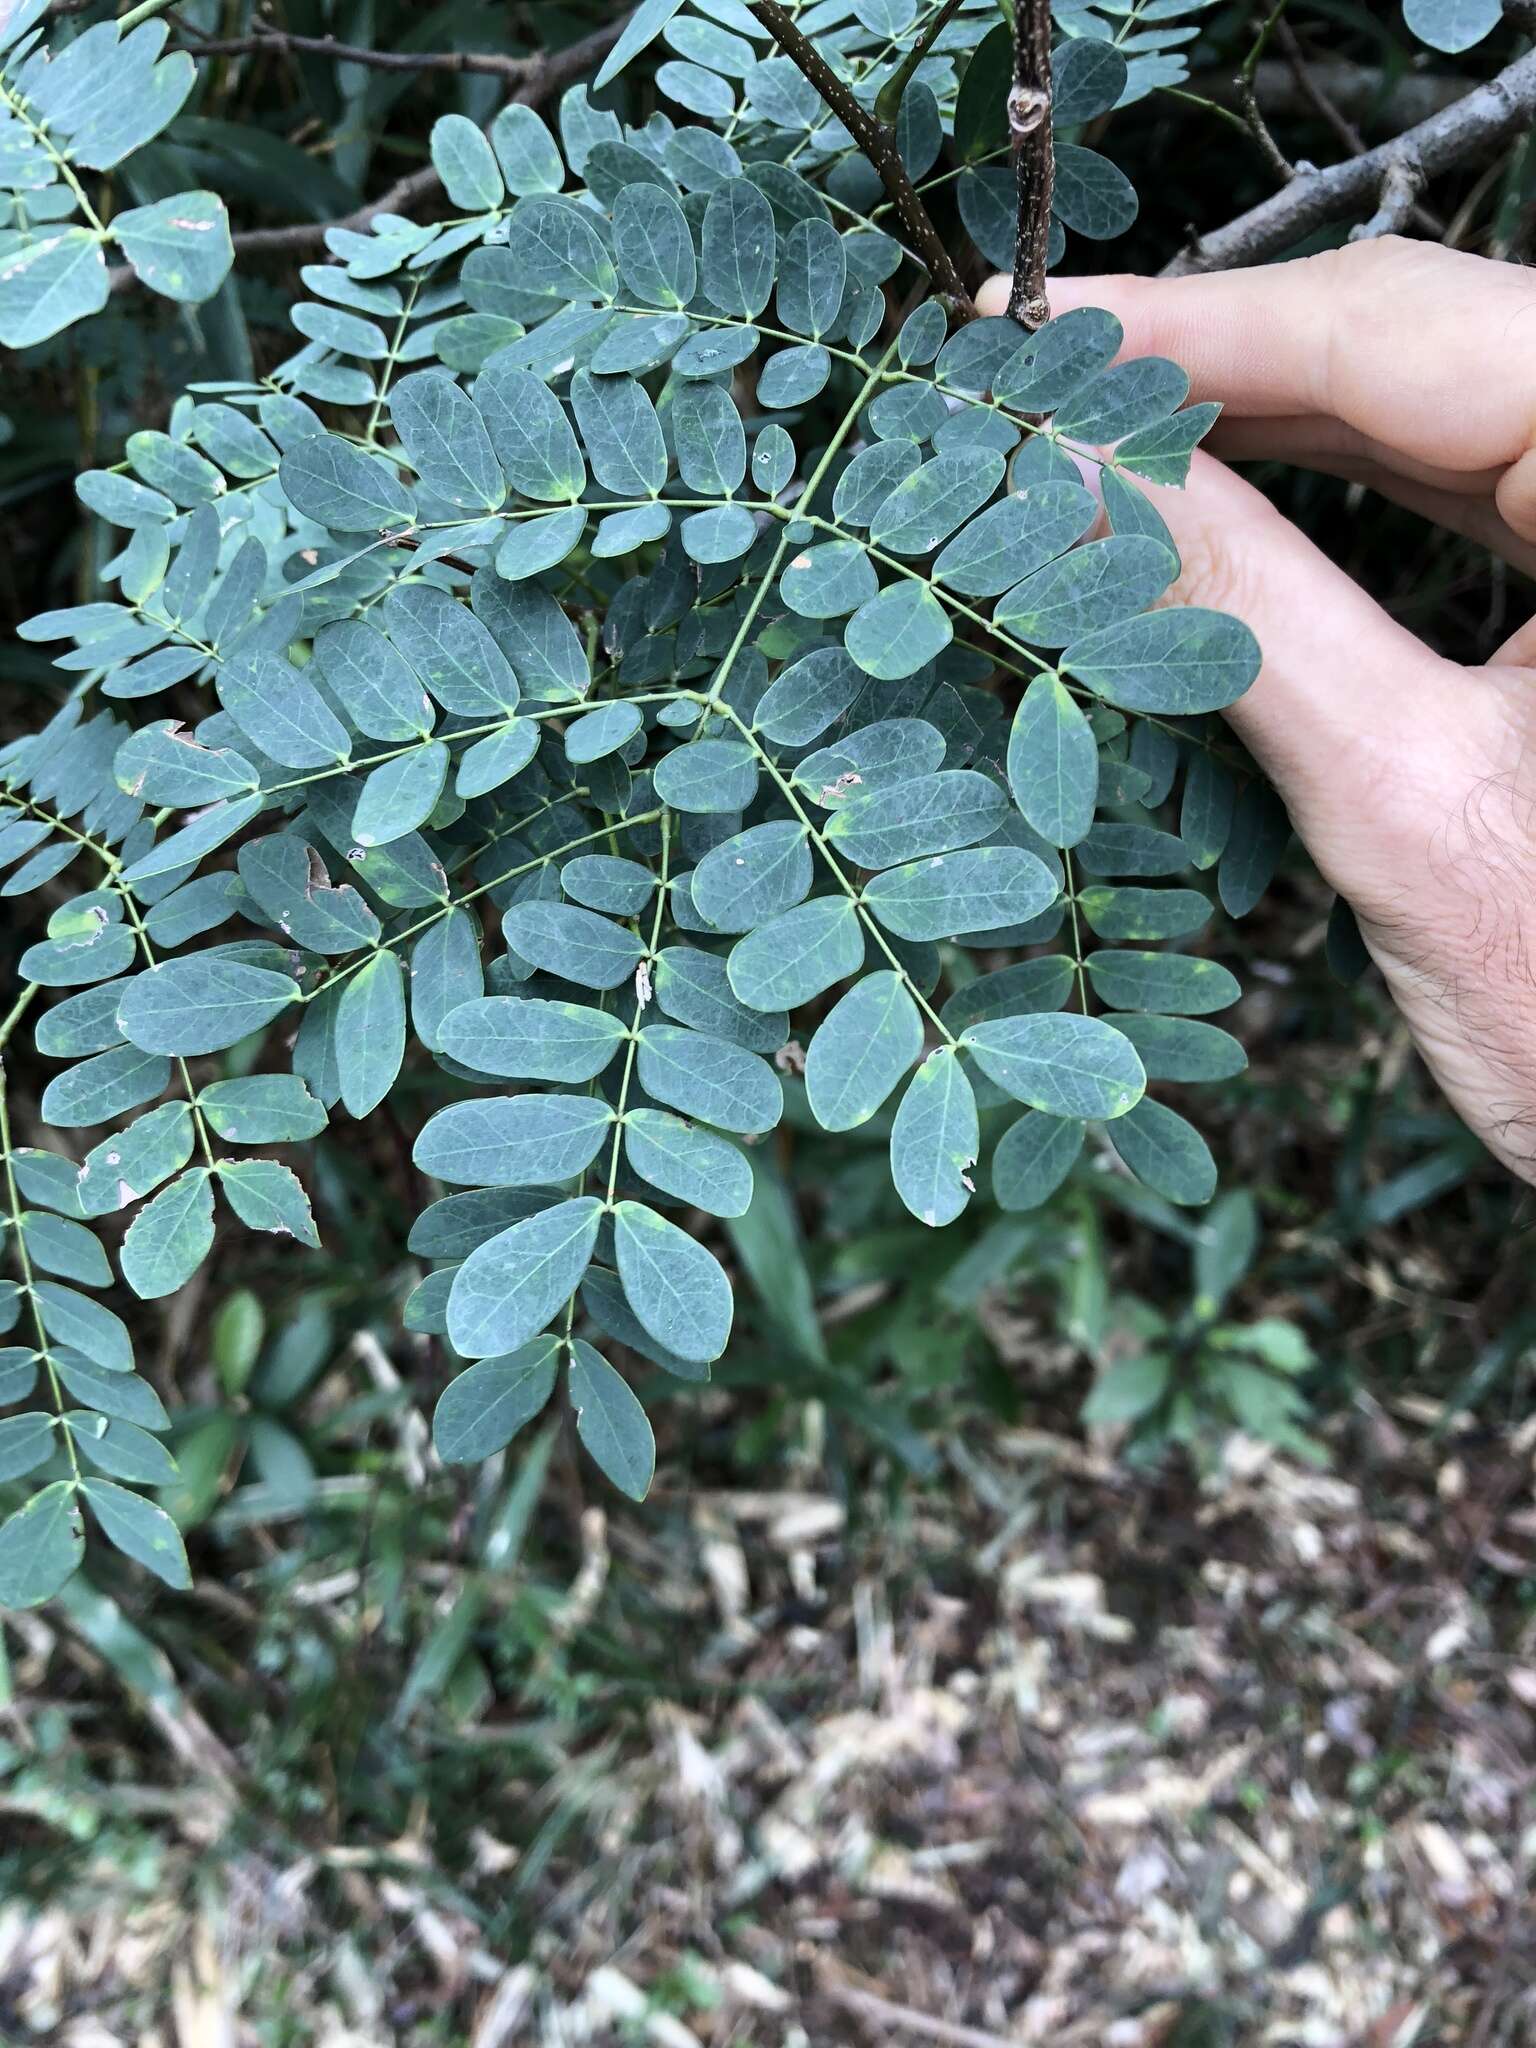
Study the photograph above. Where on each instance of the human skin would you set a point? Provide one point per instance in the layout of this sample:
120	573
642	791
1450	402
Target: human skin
1411	369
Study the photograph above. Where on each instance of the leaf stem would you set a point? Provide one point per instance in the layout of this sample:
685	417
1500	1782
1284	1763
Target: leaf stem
642	997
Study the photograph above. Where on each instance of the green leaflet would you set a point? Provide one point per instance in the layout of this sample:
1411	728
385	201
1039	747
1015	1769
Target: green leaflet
797	955
676	1288
530	1039
445	440
694	988
26	1441
558	251
1129	396
977	891
483	1408
510	1286
739	248
285	717
1166	1152
340	486
463	159
262	1109
165	765
170	1237
526	151
1451	25
828	581
708	776
1179	1049
690	1164
1144	913
180	247
643	26
808	696
452	653
869	1038
935	1140
1019	534
370	1032
1053	763
895	633
621	434
530	435
1175	982
654	247
710	440
133	1161
601	732
288	882
121	1450
535	636
926	507
749	878
611	1423
1066	1065
513	1141
124	1397
1090	587
41	1545
928	814
1033	1158
709	1078
400	795
605	881
496	759
1179	661
267	1196
377	688
577	944
140	1530
64	1248
878	757
195	1005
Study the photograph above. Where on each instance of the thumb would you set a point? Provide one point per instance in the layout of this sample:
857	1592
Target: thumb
1350	715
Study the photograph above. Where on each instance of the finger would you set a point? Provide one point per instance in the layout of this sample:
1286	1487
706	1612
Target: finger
1314	441
1467	504
1426	350
1475	518
1346	702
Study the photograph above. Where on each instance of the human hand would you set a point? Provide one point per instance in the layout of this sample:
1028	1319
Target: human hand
1412	369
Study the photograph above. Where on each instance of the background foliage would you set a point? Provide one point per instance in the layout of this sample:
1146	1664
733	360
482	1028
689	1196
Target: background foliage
1360	1242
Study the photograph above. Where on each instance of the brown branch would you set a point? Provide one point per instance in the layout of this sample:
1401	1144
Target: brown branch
550	75
279	43
1489	115
1312	92
1029	128
1401	183
1334	89
878	143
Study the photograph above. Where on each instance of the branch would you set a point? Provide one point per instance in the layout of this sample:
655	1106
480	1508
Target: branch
878	142
1029	128
279	43
1489	115
1401	183
548	75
